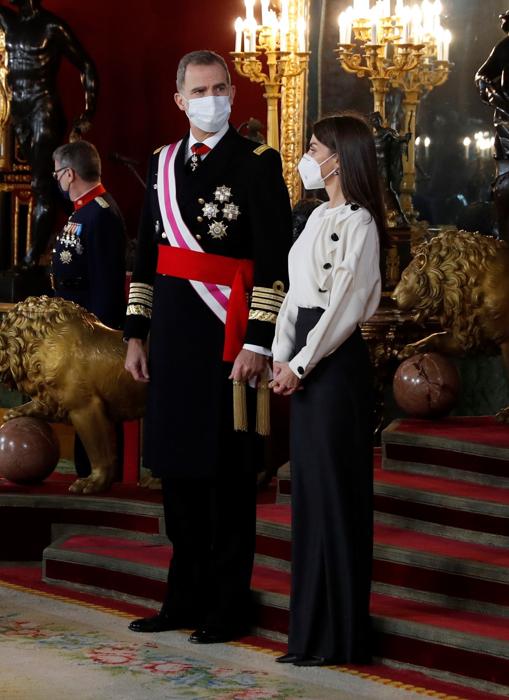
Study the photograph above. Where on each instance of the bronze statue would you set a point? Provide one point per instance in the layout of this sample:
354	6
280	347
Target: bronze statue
36	42
72	367
492	80
390	148
462	279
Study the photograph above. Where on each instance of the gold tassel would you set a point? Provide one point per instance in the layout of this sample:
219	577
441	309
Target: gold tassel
239	406
263	408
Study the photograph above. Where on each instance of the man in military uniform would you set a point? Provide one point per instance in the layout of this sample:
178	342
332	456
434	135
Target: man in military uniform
88	260
209	278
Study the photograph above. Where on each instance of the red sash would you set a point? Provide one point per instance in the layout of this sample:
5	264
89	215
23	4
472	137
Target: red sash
215	270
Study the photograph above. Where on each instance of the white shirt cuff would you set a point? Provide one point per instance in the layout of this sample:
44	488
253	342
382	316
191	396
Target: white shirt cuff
258	348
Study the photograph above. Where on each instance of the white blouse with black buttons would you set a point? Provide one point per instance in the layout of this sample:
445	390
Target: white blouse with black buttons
334	264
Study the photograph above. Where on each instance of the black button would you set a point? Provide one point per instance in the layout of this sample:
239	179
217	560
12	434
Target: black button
300	370
335	237
327	266
354	207
322	290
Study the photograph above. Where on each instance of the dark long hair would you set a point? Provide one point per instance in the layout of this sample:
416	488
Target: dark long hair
351	138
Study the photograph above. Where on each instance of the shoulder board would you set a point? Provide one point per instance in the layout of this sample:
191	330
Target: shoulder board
102	202
261	149
157	150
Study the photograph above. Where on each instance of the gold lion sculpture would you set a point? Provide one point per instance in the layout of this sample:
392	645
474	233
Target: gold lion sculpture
72	367
462	280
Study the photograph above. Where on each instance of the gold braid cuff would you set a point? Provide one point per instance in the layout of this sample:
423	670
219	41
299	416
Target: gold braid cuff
139	310
266	302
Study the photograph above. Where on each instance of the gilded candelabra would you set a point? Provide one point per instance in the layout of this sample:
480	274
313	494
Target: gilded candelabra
274	55
407	50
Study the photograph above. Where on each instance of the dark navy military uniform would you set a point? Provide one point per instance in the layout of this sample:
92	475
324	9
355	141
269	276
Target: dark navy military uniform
235	204
88	267
88	261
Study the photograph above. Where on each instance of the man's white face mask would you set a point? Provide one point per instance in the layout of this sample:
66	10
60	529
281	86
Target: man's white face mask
209	113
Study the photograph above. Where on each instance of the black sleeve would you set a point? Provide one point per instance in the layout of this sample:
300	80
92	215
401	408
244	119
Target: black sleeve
106	268
139	305
271	231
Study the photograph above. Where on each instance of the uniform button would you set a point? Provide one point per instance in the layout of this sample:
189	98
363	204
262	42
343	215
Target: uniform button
354	207
154	186
201	201
327	266
163	235
199	219
322	290
300	370
198	237
335	237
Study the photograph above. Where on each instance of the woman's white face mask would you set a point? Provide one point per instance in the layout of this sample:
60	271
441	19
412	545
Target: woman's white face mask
209	113
311	174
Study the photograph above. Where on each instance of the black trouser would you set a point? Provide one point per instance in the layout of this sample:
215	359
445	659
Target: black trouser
332	512
212	527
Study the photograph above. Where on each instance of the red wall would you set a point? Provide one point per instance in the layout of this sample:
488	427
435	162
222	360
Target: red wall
136	47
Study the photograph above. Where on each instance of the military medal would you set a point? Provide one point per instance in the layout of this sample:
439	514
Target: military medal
231	211
66	256
222	194
194	161
210	210
217	229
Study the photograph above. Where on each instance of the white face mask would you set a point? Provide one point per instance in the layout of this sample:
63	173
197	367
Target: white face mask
209	113
310	173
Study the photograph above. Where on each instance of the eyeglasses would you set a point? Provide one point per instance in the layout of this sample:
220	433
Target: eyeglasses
55	172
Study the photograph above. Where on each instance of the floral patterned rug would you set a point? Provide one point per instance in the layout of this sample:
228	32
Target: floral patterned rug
53	648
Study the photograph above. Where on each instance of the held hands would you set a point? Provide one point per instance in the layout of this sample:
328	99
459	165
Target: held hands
136	360
285	381
248	365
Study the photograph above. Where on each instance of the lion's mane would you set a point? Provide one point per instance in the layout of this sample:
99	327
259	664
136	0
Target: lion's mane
449	274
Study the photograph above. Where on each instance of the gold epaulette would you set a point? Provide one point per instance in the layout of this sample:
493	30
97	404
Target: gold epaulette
261	149
266	302
102	202
157	150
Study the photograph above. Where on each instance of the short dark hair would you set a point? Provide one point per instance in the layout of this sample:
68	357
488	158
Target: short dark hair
200	58
82	157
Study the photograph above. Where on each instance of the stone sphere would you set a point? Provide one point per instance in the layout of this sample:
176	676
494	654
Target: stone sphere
29	450
426	385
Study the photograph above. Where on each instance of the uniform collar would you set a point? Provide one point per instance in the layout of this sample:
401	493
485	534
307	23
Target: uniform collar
211	141
88	196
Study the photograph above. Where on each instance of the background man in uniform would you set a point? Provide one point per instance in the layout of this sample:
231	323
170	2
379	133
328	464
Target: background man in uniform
36	42
88	260
214	201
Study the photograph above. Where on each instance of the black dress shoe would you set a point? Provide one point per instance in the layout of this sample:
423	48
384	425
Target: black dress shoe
215	635
157	623
313	661
288	658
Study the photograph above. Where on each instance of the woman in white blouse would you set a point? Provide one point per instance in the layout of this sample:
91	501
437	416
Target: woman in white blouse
321	359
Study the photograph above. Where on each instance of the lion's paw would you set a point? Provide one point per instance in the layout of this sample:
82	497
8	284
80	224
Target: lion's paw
503	415
95	483
407	351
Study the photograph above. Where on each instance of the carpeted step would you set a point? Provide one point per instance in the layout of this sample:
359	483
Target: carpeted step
409	564
459	510
467	448
470	645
